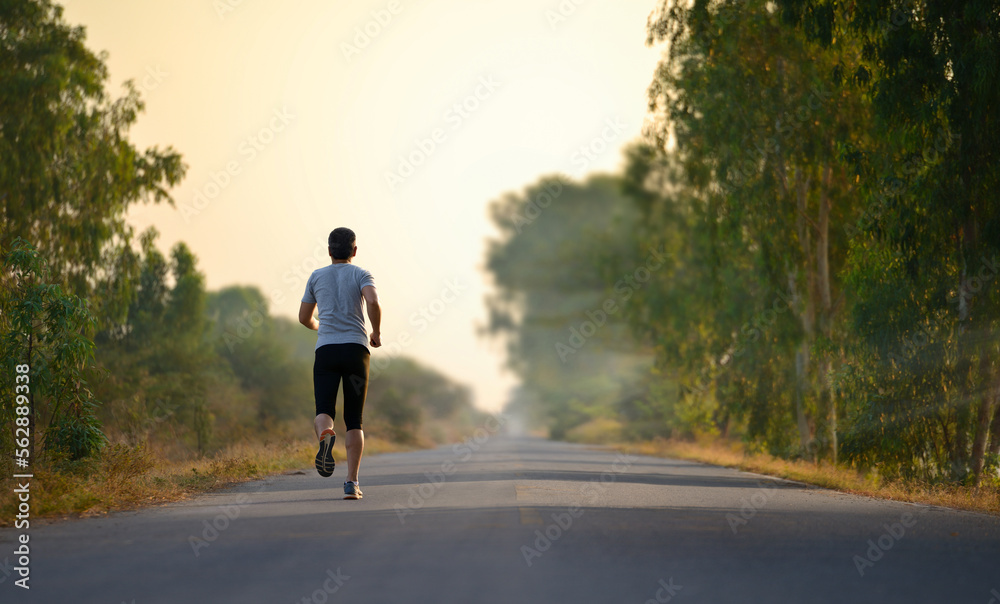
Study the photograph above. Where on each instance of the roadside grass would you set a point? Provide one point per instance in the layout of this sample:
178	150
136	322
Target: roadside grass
127	477
985	499
721	452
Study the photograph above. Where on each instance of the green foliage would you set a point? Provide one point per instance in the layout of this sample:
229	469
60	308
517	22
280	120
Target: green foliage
47	330
756	114
410	403
68	173
926	311
158	363
170	364
255	346
192	370
821	178
78	433
564	247
400	416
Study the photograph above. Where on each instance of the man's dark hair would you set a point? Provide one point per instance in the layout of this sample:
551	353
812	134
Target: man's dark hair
341	243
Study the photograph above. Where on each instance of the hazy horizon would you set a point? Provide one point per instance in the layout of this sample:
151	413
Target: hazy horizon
294	121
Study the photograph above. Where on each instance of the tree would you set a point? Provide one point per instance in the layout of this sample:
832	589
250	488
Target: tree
246	336
160	358
563	249
930	69
409	399
67	171
46	330
759	130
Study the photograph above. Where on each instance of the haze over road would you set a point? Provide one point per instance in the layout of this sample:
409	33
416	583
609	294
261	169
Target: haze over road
654	529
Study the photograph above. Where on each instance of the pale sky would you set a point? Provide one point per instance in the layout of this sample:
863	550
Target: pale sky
294	121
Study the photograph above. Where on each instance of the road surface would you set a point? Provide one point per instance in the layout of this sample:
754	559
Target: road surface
518	521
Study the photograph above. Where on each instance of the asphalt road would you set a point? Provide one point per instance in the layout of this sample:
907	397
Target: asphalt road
518	521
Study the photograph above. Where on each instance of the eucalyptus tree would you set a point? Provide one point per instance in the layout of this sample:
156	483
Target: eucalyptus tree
752	110
928	306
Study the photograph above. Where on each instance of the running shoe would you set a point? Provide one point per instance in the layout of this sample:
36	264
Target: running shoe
352	490
324	457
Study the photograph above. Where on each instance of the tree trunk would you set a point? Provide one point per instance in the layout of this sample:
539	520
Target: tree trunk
979	442
807	312
801	365
994	447
823	251
833	429
801	388
828	405
960	450
824	291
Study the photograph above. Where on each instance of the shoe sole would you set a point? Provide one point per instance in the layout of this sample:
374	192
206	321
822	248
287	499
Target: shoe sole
325	463
352	496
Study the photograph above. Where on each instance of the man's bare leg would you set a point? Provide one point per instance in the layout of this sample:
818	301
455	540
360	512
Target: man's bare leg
323	422
325	463
355	446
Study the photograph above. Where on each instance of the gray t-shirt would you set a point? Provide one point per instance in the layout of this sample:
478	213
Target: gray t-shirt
336	291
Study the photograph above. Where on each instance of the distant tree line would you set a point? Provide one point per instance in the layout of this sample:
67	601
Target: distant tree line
821	179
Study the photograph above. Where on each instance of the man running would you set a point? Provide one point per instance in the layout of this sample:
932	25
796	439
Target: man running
341	350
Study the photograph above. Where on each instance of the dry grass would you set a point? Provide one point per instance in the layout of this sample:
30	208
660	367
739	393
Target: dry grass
984	499
596	431
124	477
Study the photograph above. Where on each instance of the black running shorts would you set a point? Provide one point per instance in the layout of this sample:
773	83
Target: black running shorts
333	363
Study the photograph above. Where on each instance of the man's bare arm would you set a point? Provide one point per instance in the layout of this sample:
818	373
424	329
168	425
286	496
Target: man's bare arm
374	314
306	311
